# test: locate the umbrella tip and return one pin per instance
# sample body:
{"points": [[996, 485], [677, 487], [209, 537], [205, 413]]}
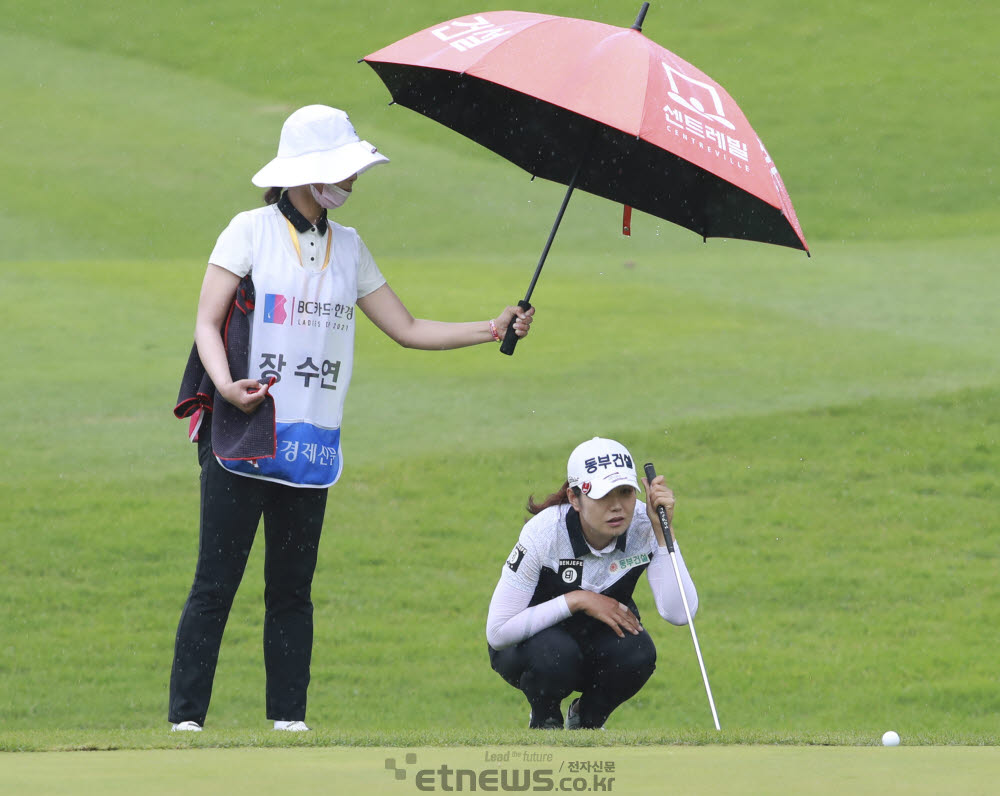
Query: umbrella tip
{"points": [[637, 25]]}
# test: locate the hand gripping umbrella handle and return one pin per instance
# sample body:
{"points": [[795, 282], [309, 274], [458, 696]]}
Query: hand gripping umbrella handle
{"points": [[665, 524], [510, 337]]}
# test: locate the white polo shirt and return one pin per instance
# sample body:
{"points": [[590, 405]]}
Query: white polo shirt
{"points": [[552, 558], [234, 250]]}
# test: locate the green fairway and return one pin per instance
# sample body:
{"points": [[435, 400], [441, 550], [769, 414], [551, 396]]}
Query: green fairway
{"points": [[830, 425]]}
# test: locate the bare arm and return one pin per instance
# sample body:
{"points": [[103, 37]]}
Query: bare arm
{"points": [[217, 292], [384, 308]]}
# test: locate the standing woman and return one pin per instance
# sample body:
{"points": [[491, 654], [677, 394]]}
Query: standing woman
{"points": [[274, 349], [562, 617]]}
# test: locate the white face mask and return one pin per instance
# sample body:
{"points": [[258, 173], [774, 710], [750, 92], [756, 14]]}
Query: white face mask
{"points": [[330, 197]]}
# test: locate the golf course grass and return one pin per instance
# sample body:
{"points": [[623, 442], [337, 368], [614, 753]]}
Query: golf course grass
{"points": [[698, 771], [830, 425]]}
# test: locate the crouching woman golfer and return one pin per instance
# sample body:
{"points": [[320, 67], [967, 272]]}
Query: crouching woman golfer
{"points": [[562, 618], [274, 351]]}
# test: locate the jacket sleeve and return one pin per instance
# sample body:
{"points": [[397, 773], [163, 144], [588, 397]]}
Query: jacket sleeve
{"points": [[511, 620], [663, 584]]}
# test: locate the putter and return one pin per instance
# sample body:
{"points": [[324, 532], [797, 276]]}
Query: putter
{"points": [[665, 524]]}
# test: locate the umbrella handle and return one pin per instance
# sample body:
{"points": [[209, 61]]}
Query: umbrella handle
{"points": [[510, 338]]}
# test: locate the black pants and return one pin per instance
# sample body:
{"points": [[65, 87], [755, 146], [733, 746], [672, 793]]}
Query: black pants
{"points": [[231, 508], [581, 654]]}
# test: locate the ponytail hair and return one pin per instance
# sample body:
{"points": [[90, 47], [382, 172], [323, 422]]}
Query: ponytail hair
{"points": [[557, 498], [272, 195]]}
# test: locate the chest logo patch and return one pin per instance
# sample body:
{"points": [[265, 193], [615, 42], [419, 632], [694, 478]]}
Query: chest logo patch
{"points": [[571, 571], [622, 564]]}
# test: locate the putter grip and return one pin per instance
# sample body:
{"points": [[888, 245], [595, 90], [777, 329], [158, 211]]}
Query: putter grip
{"points": [[662, 512], [510, 338]]}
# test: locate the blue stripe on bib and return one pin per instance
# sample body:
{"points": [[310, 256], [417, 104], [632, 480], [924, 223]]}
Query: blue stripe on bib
{"points": [[306, 456]]}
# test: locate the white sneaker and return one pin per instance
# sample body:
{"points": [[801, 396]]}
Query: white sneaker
{"points": [[291, 726], [186, 726]]}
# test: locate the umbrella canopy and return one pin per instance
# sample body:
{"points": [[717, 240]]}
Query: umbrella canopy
{"points": [[600, 108], [554, 94]]}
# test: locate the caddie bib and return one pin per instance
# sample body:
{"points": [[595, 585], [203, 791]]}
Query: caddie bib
{"points": [[302, 336]]}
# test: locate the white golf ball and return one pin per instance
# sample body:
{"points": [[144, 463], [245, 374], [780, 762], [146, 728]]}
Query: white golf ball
{"points": [[890, 738]]}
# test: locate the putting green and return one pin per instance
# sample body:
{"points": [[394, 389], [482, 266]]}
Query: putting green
{"points": [[716, 770]]}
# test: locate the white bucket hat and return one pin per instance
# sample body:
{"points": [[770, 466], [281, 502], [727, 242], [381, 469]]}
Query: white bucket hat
{"points": [[599, 465], [317, 145]]}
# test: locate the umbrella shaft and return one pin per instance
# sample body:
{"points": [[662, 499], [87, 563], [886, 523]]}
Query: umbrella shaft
{"points": [[552, 234]]}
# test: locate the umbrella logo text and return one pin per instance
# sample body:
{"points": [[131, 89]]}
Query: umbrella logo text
{"points": [[464, 35], [693, 102]]}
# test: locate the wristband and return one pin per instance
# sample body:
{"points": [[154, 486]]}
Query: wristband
{"points": [[493, 330]]}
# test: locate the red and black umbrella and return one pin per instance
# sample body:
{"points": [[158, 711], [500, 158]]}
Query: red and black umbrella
{"points": [[600, 108]]}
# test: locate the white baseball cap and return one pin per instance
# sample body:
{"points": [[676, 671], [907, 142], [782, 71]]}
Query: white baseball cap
{"points": [[599, 465], [317, 145]]}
